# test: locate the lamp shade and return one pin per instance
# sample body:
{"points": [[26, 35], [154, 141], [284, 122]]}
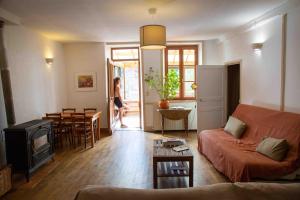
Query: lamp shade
{"points": [[153, 37]]}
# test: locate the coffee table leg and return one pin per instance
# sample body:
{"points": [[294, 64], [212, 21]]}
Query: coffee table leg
{"points": [[154, 174], [191, 173]]}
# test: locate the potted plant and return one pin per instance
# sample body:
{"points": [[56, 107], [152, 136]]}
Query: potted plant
{"points": [[165, 86]]}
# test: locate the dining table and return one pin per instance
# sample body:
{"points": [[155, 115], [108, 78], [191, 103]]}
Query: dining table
{"points": [[94, 118]]}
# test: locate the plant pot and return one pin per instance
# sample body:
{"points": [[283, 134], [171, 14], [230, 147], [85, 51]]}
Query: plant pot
{"points": [[163, 104]]}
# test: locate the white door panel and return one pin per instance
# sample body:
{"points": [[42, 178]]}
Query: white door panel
{"points": [[210, 97], [212, 117]]}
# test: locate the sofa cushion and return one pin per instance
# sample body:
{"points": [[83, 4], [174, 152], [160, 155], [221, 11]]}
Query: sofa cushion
{"points": [[235, 127], [274, 148]]}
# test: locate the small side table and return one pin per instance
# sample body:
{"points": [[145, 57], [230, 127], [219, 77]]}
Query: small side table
{"points": [[175, 114]]}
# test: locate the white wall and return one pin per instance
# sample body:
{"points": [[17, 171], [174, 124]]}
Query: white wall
{"points": [[36, 87], [260, 74], [87, 57], [151, 59], [292, 94], [212, 52]]}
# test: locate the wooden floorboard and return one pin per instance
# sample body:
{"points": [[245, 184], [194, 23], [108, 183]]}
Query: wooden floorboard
{"points": [[122, 160]]}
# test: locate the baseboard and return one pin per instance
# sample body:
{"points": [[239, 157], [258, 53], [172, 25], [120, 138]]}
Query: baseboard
{"points": [[168, 131], [104, 130]]}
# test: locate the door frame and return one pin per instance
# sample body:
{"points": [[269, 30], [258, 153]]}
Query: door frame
{"points": [[233, 62], [139, 73], [110, 126]]}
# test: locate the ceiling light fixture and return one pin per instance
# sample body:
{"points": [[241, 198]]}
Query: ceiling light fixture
{"points": [[153, 36]]}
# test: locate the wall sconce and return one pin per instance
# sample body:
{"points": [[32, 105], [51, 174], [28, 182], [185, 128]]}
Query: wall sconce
{"points": [[257, 47], [49, 61]]}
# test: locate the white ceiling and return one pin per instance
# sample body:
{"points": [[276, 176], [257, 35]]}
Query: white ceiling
{"points": [[119, 20]]}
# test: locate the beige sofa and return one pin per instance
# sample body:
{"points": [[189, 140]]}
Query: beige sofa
{"points": [[222, 191]]}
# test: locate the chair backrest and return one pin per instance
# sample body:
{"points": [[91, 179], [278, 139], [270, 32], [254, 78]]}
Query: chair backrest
{"points": [[78, 117], [69, 110], [89, 110], [55, 117]]}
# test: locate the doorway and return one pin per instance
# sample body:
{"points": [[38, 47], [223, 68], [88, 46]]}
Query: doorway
{"points": [[233, 87], [126, 63]]}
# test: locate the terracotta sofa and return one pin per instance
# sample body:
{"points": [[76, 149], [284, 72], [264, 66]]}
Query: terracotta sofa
{"points": [[223, 191], [237, 158]]}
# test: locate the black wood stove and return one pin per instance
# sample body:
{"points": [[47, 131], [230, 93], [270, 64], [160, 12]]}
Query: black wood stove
{"points": [[29, 145]]}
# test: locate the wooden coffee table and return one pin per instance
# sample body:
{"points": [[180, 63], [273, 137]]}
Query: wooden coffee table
{"points": [[169, 163]]}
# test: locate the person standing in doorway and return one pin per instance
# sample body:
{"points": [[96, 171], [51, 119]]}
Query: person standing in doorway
{"points": [[118, 100]]}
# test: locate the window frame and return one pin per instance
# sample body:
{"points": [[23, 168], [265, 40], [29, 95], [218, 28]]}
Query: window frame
{"points": [[122, 48], [181, 48]]}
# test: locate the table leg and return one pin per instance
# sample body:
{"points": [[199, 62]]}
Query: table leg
{"points": [[93, 134], [191, 172], [162, 124], [98, 128], [154, 174], [186, 125], [27, 176]]}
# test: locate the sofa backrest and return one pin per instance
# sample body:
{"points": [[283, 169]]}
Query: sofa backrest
{"points": [[262, 122], [232, 191]]}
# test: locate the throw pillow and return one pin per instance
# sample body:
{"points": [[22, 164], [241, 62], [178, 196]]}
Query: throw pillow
{"points": [[273, 148], [235, 127]]}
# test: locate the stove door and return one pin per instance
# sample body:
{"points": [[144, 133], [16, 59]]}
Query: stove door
{"points": [[40, 142]]}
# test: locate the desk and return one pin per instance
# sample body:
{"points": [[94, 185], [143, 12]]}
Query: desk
{"points": [[175, 114]]}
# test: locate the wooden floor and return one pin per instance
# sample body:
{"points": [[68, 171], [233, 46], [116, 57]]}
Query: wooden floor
{"points": [[123, 160]]}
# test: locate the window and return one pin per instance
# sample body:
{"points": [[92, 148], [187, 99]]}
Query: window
{"points": [[125, 54], [183, 59]]}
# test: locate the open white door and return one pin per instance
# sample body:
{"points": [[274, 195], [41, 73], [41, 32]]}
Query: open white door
{"points": [[110, 104], [210, 96]]}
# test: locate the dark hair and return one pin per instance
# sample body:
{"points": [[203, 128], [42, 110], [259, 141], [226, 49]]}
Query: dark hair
{"points": [[115, 82]]}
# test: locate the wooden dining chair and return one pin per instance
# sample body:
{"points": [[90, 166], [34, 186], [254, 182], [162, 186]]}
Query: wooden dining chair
{"points": [[56, 127], [81, 128], [85, 110], [69, 110], [93, 122], [67, 125]]}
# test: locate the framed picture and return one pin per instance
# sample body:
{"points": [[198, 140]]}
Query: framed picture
{"points": [[85, 81]]}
